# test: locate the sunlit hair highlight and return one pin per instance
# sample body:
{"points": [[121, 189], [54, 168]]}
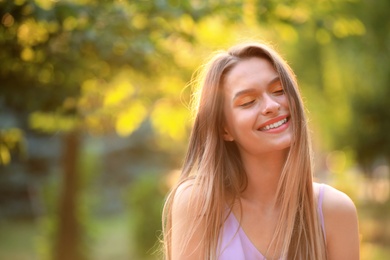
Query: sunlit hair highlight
{"points": [[213, 167]]}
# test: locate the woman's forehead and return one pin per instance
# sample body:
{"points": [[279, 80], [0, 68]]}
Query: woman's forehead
{"points": [[249, 72]]}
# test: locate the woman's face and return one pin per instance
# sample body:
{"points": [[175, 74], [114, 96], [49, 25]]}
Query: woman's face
{"points": [[256, 108]]}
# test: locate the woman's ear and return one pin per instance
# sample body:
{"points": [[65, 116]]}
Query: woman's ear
{"points": [[227, 136]]}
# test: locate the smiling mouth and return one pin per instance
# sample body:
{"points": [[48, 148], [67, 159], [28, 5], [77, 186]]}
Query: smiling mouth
{"points": [[274, 125]]}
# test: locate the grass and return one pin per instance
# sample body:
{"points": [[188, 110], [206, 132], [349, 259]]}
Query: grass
{"points": [[110, 240], [18, 240]]}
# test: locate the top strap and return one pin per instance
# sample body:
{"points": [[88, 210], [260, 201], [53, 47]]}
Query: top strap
{"points": [[321, 215]]}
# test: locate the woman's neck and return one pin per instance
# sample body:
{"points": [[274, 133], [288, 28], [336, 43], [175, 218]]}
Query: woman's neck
{"points": [[263, 173]]}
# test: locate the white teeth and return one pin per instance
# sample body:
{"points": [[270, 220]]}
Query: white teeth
{"points": [[274, 125]]}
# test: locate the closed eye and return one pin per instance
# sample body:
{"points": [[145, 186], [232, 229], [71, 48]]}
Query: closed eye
{"points": [[279, 92], [248, 103]]}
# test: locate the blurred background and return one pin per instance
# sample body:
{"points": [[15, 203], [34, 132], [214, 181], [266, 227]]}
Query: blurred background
{"points": [[94, 117]]}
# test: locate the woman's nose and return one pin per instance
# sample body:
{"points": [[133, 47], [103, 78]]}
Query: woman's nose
{"points": [[269, 105]]}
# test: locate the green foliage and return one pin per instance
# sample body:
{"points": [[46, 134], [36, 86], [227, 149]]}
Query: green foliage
{"points": [[48, 223], [50, 49], [12, 144], [146, 197], [374, 227], [366, 82]]}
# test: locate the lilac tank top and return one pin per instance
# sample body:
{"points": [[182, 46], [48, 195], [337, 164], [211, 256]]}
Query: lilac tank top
{"points": [[235, 245]]}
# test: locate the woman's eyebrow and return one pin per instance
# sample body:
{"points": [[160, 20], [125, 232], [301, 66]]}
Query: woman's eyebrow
{"points": [[274, 80], [252, 90], [243, 92]]}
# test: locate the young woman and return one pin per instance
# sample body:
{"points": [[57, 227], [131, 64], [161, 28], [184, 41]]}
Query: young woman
{"points": [[246, 190]]}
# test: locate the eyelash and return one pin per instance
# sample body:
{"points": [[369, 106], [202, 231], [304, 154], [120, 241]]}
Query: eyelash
{"points": [[280, 92], [247, 104]]}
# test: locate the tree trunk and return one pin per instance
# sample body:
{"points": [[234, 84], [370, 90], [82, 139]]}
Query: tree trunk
{"points": [[69, 243]]}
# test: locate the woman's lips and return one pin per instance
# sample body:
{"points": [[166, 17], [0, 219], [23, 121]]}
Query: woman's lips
{"points": [[274, 125]]}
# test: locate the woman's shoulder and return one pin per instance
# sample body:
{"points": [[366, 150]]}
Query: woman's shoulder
{"points": [[335, 201], [187, 225], [341, 223], [184, 189], [185, 196]]}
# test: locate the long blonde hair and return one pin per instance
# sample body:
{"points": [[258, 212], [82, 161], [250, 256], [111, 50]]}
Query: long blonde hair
{"points": [[216, 169]]}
